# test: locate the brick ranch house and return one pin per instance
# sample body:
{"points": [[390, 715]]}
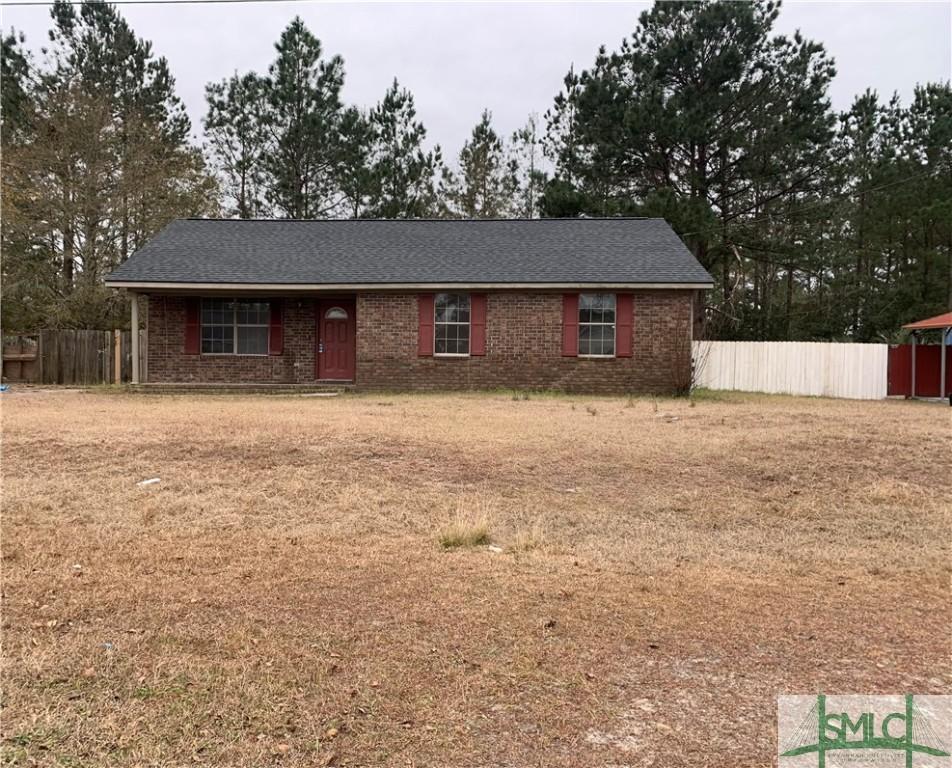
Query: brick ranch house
{"points": [[590, 305]]}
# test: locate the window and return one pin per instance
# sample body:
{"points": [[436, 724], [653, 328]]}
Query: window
{"points": [[336, 313], [596, 325], [451, 324], [232, 327]]}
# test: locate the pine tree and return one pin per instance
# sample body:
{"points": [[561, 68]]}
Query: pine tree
{"points": [[93, 43], [104, 165], [705, 102], [237, 140], [355, 175], [303, 116], [526, 159], [14, 82], [484, 185], [403, 171]]}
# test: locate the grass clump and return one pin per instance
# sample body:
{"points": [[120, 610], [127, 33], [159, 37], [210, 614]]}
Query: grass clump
{"points": [[468, 529], [530, 538], [462, 533]]}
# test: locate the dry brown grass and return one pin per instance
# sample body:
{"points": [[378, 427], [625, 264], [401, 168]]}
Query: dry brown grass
{"points": [[470, 528], [281, 596]]}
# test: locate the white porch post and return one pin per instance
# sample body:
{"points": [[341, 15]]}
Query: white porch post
{"points": [[135, 338]]}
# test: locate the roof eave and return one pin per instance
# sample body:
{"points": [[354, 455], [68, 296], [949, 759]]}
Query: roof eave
{"points": [[146, 285]]}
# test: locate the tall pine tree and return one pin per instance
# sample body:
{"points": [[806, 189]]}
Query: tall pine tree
{"points": [[303, 118], [484, 184], [104, 165], [525, 149], [237, 141], [706, 112], [403, 171]]}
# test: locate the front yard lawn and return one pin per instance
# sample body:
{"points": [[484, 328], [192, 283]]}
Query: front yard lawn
{"points": [[460, 580]]}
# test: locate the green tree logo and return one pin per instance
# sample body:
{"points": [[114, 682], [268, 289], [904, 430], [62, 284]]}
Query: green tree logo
{"points": [[822, 731]]}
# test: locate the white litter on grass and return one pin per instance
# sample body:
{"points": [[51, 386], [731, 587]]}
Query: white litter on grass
{"points": [[150, 481], [494, 549]]}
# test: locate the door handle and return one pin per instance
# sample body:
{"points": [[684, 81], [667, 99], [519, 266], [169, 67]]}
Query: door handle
{"points": [[320, 348]]}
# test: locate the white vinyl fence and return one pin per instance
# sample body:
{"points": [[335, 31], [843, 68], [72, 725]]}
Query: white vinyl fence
{"points": [[793, 367]]}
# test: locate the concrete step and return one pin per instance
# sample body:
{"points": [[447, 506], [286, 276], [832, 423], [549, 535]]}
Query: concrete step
{"points": [[212, 388]]}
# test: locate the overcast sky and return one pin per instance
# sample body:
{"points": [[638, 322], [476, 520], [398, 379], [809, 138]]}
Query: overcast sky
{"points": [[459, 58]]}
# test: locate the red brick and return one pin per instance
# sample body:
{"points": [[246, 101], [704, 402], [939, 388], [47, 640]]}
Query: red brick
{"points": [[523, 347]]}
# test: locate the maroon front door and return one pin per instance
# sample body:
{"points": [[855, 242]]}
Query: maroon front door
{"points": [[336, 339]]}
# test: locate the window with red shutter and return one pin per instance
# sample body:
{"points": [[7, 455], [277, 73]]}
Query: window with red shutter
{"points": [[596, 324], [451, 325]]}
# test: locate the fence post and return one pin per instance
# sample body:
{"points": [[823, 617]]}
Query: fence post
{"points": [[39, 357], [913, 364]]}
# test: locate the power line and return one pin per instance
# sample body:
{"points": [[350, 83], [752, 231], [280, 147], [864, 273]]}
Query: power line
{"points": [[45, 3], [48, 3]]}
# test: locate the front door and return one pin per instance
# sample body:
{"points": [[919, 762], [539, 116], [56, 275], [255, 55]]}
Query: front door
{"points": [[336, 339]]}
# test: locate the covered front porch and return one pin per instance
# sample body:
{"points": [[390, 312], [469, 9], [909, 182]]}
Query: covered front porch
{"points": [[254, 338]]}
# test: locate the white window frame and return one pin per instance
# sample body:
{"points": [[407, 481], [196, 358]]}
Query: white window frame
{"points": [[468, 324], [613, 326], [234, 326]]}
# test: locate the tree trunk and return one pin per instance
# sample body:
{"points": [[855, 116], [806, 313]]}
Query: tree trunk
{"points": [[69, 255], [788, 305]]}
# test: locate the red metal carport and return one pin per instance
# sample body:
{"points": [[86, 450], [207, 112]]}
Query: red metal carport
{"points": [[924, 380]]}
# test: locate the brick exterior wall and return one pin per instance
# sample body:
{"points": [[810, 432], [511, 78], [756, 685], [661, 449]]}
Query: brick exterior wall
{"points": [[167, 361], [523, 348]]}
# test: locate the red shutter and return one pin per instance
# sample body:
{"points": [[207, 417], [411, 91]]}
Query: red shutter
{"points": [[477, 324], [193, 326], [570, 325], [624, 317], [425, 339], [276, 329]]}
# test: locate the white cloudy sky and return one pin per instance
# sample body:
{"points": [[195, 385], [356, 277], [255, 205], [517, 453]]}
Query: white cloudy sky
{"points": [[510, 57]]}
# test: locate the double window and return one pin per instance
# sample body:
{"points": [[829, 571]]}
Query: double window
{"points": [[451, 324], [596, 325], [235, 327]]}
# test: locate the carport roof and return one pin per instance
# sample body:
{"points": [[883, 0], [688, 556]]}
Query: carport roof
{"points": [[939, 321]]}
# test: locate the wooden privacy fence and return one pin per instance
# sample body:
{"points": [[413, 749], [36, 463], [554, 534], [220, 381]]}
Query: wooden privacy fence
{"points": [[71, 357], [856, 371]]}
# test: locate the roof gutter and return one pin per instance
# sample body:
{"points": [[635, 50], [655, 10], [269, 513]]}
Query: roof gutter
{"points": [[136, 285]]}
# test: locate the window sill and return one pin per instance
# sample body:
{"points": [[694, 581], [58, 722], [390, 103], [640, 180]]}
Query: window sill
{"points": [[449, 354], [233, 354], [598, 357]]}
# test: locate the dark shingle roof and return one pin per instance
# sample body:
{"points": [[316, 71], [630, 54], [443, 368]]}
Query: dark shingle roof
{"points": [[561, 251]]}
